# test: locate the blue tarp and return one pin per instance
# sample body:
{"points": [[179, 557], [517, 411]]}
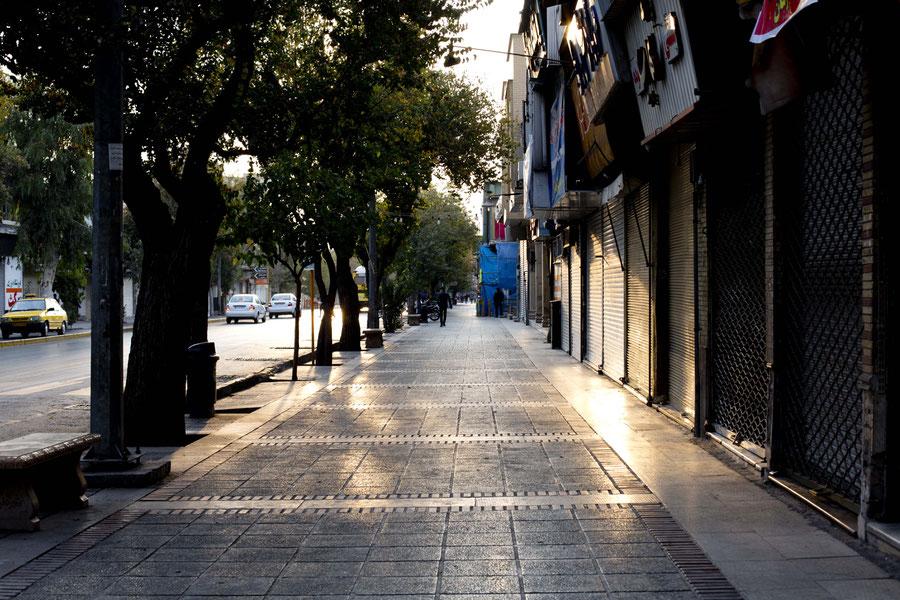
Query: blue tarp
{"points": [[498, 269]]}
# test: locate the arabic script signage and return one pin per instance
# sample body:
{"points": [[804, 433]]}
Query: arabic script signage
{"points": [[774, 15]]}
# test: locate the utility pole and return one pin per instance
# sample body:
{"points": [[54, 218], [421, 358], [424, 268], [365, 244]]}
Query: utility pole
{"points": [[372, 321], [107, 408]]}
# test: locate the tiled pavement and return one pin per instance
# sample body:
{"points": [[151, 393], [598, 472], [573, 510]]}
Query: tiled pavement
{"points": [[453, 464]]}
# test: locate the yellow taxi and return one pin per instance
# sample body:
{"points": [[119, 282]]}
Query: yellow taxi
{"points": [[34, 315]]}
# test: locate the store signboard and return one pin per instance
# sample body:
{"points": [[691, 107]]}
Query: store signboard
{"points": [[774, 15]]}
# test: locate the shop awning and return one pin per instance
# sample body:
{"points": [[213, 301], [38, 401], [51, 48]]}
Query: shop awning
{"points": [[774, 15]]}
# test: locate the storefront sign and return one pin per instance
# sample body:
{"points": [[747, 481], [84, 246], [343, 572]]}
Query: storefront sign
{"points": [[774, 15], [672, 42], [13, 283], [557, 280], [558, 146]]}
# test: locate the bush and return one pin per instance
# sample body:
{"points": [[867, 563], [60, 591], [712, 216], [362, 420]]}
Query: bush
{"points": [[393, 301]]}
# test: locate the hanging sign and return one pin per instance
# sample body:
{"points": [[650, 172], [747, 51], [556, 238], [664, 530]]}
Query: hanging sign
{"points": [[672, 41], [774, 15]]}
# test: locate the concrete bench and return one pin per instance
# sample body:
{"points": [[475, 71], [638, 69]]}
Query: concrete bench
{"points": [[41, 471]]}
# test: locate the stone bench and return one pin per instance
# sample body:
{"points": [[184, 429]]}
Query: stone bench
{"points": [[40, 472]]}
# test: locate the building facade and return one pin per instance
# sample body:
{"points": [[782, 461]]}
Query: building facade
{"points": [[706, 196]]}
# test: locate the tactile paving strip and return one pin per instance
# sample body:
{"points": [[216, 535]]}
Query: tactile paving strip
{"points": [[425, 439]]}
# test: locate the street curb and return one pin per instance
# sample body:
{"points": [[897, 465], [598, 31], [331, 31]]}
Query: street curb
{"points": [[68, 336], [248, 381]]}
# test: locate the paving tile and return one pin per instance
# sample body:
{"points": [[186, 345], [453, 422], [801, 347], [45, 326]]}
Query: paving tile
{"points": [[812, 545], [71, 584], [479, 553], [266, 555], [554, 551], [160, 568], [322, 569], [395, 585], [863, 589], [271, 541], [403, 553], [479, 585], [244, 569], [407, 568], [486, 567], [124, 586], [636, 565], [576, 566], [312, 586], [646, 582], [551, 584], [832, 569]]}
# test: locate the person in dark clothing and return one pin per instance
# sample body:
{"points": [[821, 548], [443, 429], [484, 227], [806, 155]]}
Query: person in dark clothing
{"points": [[443, 300], [498, 302]]}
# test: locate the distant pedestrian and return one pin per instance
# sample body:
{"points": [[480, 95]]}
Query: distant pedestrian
{"points": [[498, 302], [443, 300]]}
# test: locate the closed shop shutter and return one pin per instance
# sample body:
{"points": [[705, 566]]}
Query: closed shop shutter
{"points": [[820, 327], [637, 282], [523, 280], [575, 283], [681, 286], [594, 321], [564, 304], [614, 290]]}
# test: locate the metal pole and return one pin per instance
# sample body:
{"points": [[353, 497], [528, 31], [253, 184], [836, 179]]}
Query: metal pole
{"points": [[312, 314], [107, 409], [372, 321], [219, 283]]}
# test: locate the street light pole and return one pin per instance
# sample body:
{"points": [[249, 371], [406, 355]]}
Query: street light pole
{"points": [[107, 407], [372, 321]]}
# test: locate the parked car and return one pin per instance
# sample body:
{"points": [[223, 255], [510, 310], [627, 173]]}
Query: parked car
{"points": [[34, 315], [245, 306], [283, 304]]}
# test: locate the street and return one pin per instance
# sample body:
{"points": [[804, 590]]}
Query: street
{"points": [[46, 386]]}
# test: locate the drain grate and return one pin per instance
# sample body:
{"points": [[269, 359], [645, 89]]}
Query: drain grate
{"points": [[19, 580], [702, 575]]}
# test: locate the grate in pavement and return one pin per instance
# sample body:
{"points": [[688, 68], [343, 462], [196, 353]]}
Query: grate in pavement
{"points": [[17, 581], [704, 577]]}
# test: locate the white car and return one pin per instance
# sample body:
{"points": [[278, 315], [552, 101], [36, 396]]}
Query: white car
{"points": [[283, 304], [245, 306]]}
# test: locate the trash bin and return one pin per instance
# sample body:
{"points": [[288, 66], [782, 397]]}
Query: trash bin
{"points": [[423, 313], [201, 379]]}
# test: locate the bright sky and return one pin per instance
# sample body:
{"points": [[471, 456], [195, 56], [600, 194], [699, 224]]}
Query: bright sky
{"points": [[489, 28]]}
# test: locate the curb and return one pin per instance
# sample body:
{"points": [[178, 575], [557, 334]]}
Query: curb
{"points": [[68, 336]]}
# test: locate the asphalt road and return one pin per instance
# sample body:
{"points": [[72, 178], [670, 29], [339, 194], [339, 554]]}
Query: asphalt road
{"points": [[45, 387]]}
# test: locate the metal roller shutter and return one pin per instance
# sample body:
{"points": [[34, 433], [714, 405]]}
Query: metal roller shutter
{"points": [[523, 280], [614, 290], [637, 283], [564, 304], [594, 351], [575, 286], [681, 286]]}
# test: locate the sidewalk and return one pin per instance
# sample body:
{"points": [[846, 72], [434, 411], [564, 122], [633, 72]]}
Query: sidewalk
{"points": [[470, 461]]}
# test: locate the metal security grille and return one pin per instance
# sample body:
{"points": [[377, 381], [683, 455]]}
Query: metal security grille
{"points": [[739, 390], [819, 422]]}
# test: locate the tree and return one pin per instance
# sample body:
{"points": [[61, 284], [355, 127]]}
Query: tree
{"points": [[439, 251], [52, 191], [206, 81]]}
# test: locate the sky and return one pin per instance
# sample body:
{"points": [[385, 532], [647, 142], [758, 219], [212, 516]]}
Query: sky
{"points": [[489, 28]]}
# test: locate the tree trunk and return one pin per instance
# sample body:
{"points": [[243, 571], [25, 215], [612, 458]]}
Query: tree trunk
{"points": [[171, 315], [350, 330], [298, 281], [48, 274], [323, 343]]}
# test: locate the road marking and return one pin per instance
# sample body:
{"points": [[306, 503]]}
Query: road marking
{"points": [[44, 387]]}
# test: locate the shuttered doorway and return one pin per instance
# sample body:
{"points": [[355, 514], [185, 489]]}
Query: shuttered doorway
{"points": [[575, 286], [565, 313], [594, 321], [614, 289], [637, 282], [680, 254]]}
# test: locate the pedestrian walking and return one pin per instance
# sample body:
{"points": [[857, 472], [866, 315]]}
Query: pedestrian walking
{"points": [[498, 302], [443, 300]]}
